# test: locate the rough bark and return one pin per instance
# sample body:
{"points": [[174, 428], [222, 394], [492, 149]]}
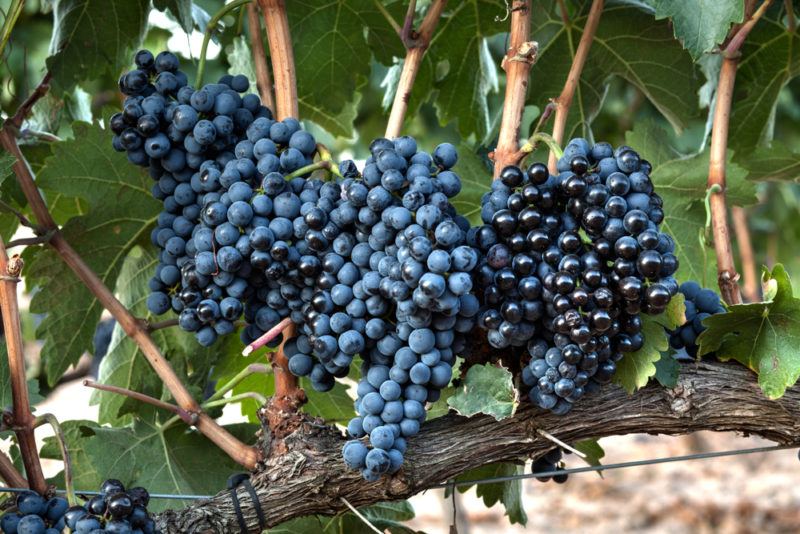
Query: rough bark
{"points": [[309, 477]]}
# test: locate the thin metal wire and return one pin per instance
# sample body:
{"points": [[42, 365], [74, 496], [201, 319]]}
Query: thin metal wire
{"points": [[620, 465], [93, 493], [495, 480]]}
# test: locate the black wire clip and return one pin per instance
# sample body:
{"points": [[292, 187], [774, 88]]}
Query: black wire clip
{"points": [[236, 480]]}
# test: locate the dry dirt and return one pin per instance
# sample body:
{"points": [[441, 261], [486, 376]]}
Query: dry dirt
{"points": [[757, 493]]}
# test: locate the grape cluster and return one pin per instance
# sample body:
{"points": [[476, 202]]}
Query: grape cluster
{"points": [[401, 296], [33, 514], [548, 463], [379, 264], [570, 262], [700, 303], [220, 165], [113, 511]]}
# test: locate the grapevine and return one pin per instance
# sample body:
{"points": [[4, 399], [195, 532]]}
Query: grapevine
{"points": [[377, 263], [458, 269]]}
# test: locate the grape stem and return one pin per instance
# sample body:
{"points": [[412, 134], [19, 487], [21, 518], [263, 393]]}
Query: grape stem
{"points": [[9, 473], [211, 27], [259, 398], [268, 336], [727, 277], [5, 206], [388, 16], [716, 188], [325, 155], [22, 418], [406, 32], [61, 439], [519, 58], [250, 370], [47, 137], [243, 454], [188, 418], [790, 19], [13, 13], [564, 100], [542, 137], [279, 39], [159, 325], [416, 43], [288, 397], [752, 285], [25, 108], [28, 241], [263, 77]]}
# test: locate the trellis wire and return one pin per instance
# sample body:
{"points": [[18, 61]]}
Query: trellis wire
{"points": [[620, 465], [495, 480]]}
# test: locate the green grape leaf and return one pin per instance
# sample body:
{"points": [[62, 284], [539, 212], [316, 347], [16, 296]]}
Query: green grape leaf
{"points": [[180, 9], [339, 124], [121, 214], [6, 399], [667, 370], [125, 366], [143, 454], [6, 165], [476, 178], [681, 182], [700, 24], [509, 493], [628, 43], [8, 221], [330, 65], [440, 407], [471, 73], [11, 192], [764, 336], [487, 389], [230, 364], [593, 451], [335, 405], [636, 368], [386, 516], [94, 37], [775, 163], [770, 60]]}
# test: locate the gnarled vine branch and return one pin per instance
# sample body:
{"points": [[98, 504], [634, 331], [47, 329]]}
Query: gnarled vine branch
{"points": [[309, 477]]}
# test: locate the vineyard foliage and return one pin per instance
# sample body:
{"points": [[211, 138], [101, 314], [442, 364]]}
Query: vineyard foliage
{"points": [[649, 82]]}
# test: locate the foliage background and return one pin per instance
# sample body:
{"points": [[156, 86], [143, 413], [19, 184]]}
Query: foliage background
{"points": [[649, 82]]}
